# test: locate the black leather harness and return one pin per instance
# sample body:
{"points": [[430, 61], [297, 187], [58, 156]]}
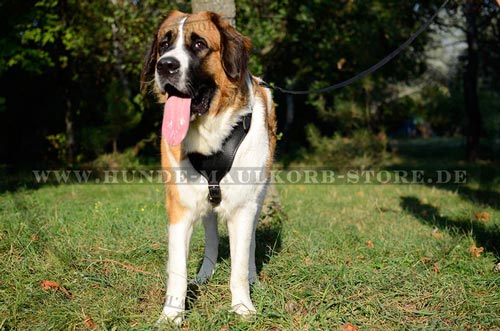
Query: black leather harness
{"points": [[215, 166]]}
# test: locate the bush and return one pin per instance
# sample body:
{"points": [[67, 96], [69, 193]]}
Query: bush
{"points": [[125, 160], [362, 150]]}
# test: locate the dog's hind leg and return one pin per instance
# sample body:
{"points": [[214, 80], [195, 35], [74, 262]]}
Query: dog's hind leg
{"points": [[211, 248], [252, 268]]}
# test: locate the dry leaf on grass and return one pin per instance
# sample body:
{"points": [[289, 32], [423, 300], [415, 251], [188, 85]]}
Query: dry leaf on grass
{"points": [[475, 251], [435, 269], [349, 327], [370, 244], [482, 217], [436, 234], [50, 284], [90, 323], [290, 307]]}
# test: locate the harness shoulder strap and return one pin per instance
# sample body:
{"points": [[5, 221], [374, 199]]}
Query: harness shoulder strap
{"points": [[215, 166]]}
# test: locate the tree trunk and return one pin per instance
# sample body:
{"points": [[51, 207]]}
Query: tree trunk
{"points": [[64, 75], [70, 132], [472, 112], [226, 8], [115, 145]]}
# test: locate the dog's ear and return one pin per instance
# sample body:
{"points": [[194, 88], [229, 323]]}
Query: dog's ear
{"points": [[149, 65], [235, 50]]}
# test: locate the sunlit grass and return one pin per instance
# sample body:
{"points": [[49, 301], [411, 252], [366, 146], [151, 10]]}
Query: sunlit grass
{"points": [[382, 257]]}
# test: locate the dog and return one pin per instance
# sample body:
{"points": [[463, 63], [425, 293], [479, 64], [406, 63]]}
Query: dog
{"points": [[214, 110]]}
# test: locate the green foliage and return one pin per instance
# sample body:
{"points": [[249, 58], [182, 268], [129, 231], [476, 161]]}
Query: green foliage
{"points": [[490, 109], [121, 115], [362, 150], [126, 160], [58, 145], [81, 60]]}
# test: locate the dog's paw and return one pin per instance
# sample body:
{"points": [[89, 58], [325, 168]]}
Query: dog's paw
{"points": [[246, 312], [206, 272], [253, 278], [204, 276], [170, 315]]}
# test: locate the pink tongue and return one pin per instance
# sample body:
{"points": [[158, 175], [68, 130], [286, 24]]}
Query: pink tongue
{"points": [[176, 120]]}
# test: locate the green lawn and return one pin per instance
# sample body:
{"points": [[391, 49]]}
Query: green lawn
{"points": [[382, 257]]}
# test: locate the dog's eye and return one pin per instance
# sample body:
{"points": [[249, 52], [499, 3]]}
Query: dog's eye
{"points": [[199, 45], [163, 45]]}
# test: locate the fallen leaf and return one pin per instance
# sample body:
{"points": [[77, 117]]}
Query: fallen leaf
{"points": [[307, 261], [49, 284], [290, 307], [370, 244], [436, 234], [35, 237], [348, 261], [156, 245], [90, 323], [349, 327], [482, 217], [475, 251], [435, 269], [224, 328]]}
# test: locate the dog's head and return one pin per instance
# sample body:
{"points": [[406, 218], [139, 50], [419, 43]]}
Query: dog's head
{"points": [[200, 57]]}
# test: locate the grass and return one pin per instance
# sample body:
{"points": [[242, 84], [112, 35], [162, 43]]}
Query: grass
{"points": [[381, 257]]}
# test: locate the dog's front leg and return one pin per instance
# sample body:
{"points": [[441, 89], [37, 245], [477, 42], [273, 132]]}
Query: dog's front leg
{"points": [[241, 227], [179, 236]]}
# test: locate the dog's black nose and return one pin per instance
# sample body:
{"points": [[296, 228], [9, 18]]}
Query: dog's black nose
{"points": [[168, 66]]}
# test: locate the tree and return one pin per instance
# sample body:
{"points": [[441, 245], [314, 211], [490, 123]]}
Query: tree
{"points": [[71, 71], [471, 10], [479, 23], [226, 8]]}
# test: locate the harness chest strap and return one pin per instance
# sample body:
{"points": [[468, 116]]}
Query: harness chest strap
{"points": [[215, 166]]}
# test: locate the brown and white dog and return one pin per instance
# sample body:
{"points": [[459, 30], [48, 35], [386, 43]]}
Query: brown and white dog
{"points": [[199, 64]]}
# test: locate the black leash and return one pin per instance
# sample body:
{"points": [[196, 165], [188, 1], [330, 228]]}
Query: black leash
{"points": [[368, 71]]}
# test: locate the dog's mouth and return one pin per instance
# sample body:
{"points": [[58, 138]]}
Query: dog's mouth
{"points": [[200, 99], [180, 109]]}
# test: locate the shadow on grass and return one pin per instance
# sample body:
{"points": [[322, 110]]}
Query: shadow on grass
{"points": [[482, 196], [488, 237], [267, 244], [482, 180]]}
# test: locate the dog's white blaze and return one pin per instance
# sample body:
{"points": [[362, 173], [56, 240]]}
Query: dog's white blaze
{"points": [[179, 53]]}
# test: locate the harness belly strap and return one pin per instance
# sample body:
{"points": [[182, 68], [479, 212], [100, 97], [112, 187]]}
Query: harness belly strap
{"points": [[215, 166]]}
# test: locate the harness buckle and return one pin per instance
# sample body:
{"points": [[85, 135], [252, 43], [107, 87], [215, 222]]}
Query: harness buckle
{"points": [[214, 194]]}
